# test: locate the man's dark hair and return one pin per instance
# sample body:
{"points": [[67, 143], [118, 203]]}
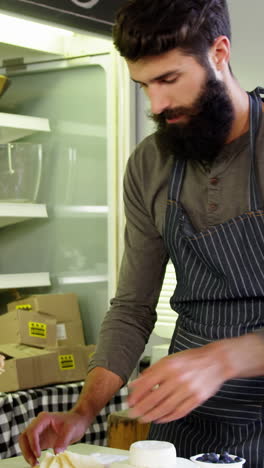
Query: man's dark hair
{"points": [[152, 27]]}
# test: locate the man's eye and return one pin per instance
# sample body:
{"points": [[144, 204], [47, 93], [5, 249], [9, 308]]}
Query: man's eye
{"points": [[170, 81]]}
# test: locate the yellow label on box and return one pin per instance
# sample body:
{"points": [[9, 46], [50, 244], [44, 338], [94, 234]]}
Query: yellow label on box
{"points": [[66, 361], [24, 307], [37, 329]]}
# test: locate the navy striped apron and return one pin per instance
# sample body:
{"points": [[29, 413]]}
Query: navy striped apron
{"points": [[219, 294]]}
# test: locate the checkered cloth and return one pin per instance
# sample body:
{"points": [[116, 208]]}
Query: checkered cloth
{"points": [[17, 409]]}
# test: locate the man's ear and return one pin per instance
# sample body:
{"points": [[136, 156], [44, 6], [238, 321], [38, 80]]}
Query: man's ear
{"points": [[220, 53]]}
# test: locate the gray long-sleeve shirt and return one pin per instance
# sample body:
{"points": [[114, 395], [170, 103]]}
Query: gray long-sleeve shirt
{"points": [[210, 196]]}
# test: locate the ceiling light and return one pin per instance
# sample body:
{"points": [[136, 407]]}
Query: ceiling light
{"points": [[30, 34]]}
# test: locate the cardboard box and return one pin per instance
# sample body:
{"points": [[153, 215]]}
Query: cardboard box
{"points": [[70, 333], [28, 328], [64, 307], [21, 367], [27, 367]]}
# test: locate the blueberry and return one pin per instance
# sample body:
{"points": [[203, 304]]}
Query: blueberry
{"points": [[225, 457], [221, 459], [213, 457]]}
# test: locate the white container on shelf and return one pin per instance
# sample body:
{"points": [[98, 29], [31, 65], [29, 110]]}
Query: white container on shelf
{"points": [[20, 172]]}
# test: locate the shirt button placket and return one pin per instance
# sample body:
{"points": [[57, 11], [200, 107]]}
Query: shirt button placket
{"points": [[213, 200]]}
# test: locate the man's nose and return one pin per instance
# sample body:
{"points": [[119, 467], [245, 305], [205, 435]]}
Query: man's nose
{"points": [[158, 99]]}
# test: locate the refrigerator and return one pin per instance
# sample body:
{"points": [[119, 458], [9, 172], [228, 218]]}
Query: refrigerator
{"points": [[67, 128]]}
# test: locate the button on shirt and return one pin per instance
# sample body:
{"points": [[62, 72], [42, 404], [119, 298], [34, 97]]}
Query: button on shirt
{"points": [[210, 195]]}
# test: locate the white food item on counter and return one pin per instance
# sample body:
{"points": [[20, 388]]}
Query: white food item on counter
{"points": [[120, 465], [69, 459], [180, 463], [49, 461], [152, 454]]}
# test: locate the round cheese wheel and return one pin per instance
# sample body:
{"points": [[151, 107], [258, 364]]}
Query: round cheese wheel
{"points": [[152, 454]]}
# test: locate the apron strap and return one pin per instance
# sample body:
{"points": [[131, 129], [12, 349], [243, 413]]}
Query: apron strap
{"points": [[178, 175], [255, 104]]}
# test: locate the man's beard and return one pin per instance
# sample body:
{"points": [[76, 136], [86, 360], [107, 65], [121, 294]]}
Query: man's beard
{"points": [[204, 135]]}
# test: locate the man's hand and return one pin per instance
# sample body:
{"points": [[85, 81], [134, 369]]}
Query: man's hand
{"points": [[178, 383], [51, 430], [58, 430]]}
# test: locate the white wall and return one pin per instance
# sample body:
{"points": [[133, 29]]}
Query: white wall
{"points": [[248, 41]]}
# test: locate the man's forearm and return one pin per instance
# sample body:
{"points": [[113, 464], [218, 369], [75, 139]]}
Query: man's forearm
{"points": [[244, 354], [100, 386]]}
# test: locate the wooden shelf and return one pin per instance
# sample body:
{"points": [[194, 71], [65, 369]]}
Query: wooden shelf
{"points": [[11, 213], [14, 127], [24, 280]]}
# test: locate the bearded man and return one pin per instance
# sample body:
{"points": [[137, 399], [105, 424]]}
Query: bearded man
{"points": [[194, 194]]}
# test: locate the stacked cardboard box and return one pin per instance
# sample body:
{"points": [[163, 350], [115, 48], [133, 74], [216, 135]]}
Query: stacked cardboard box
{"points": [[28, 328], [28, 367], [64, 308], [42, 339]]}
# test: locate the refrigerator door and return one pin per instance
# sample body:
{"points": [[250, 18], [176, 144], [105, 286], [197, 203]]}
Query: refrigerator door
{"points": [[77, 245]]}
